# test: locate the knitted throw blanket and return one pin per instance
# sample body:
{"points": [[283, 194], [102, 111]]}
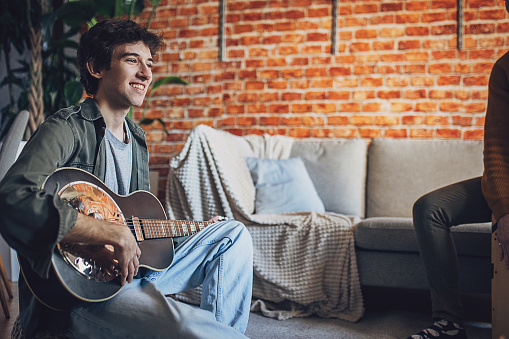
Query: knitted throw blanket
{"points": [[304, 263]]}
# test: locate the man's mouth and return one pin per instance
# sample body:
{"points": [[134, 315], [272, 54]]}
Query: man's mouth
{"points": [[138, 86]]}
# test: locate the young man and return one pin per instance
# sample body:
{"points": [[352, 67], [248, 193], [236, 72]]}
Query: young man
{"points": [[115, 59]]}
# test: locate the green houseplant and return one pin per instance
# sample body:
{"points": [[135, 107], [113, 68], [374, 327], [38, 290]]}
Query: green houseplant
{"points": [[60, 84]]}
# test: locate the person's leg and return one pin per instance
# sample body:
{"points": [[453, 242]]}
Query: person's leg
{"points": [[221, 258], [433, 216], [140, 310]]}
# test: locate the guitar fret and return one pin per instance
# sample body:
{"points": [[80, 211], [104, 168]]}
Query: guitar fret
{"points": [[155, 228]]}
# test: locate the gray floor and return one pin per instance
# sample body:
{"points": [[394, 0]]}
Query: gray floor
{"points": [[390, 313], [379, 325]]}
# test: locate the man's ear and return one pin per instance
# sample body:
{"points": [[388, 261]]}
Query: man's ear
{"points": [[98, 74]]}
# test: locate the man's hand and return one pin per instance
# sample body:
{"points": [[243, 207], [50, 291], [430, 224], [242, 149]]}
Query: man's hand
{"points": [[99, 232], [503, 239]]}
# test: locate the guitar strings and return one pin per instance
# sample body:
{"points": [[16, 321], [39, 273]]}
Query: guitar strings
{"points": [[155, 227]]}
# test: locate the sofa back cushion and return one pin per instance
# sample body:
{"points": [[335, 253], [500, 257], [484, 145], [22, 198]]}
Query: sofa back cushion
{"points": [[401, 170], [338, 171]]}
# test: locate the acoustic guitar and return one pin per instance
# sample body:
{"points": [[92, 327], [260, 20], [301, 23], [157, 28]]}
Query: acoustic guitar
{"points": [[82, 272]]}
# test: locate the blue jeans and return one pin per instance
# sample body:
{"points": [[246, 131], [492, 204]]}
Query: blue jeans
{"points": [[433, 216], [220, 257]]}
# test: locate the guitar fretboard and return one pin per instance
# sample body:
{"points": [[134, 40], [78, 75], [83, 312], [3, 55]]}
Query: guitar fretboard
{"points": [[155, 229]]}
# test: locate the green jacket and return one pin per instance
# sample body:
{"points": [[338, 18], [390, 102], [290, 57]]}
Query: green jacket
{"points": [[33, 221]]}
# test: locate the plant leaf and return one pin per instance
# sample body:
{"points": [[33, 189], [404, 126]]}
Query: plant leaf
{"points": [[73, 91], [168, 80], [75, 12], [147, 121]]}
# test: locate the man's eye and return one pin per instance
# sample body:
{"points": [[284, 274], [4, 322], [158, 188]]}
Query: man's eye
{"points": [[150, 65], [132, 60]]}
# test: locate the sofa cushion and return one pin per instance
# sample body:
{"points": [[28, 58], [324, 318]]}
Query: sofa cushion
{"points": [[283, 185], [401, 171], [397, 235], [338, 170]]}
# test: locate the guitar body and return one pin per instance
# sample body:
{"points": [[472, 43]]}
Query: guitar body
{"points": [[71, 280]]}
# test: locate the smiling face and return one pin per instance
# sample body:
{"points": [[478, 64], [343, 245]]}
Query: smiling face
{"points": [[126, 83]]}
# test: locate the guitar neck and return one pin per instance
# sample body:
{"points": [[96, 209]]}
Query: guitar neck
{"points": [[145, 229]]}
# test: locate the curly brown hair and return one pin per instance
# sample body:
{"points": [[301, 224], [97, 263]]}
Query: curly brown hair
{"points": [[99, 42]]}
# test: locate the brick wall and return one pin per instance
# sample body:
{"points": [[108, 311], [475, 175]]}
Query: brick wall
{"points": [[397, 72]]}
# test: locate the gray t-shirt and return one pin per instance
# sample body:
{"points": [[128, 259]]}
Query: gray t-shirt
{"points": [[119, 162]]}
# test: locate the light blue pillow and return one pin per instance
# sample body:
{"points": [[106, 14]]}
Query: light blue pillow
{"points": [[283, 185]]}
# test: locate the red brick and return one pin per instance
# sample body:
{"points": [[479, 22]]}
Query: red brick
{"points": [[480, 29], [391, 32], [318, 12], [443, 29], [407, 18], [365, 8], [291, 96], [370, 133], [423, 30], [409, 44], [269, 121], [400, 106], [276, 62], [440, 68], [296, 121], [386, 120], [254, 85], [277, 84], [448, 133], [438, 94], [412, 120], [339, 95], [366, 34], [475, 107], [361, 120], [335, 71], [368, 82], [348, 107], [448, 80], [299, 132], [393, 94], [302, 108], [363, 95], [381, 19], [312, 121], [346, 132], [477, 134], [421, 133], [383, 45], [337, 120], [279, 108], [372, 107], [396, 133], [391, 7], [391, 57], [322, 83], [450, 106], [415, 94], [416, 5], [443, 4], [315, 71], [256, 108], [476, 80], [315, 96], [322, 132]]}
